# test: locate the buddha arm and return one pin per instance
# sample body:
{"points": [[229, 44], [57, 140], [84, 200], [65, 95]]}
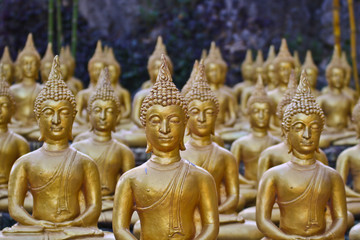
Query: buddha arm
{"points": [[231, 186], [232, 107], [123, 209], [321, 156], [264, 164], [128, 161], [208, 207], [244, 99], [18, 187], [236, 151], [79, 108], [127, 104], [136, 110], [23, 148], [264, 205], [342, 166]]}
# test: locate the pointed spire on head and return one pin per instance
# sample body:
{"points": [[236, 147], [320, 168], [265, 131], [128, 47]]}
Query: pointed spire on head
{"points": [[191, 79], [259, 94], [111, 60], [29, 49], [309, 62], [214, 56], [302, 102], [6, 58], [160, 49], [200, 89], [335, 62], [259, 62], [98, 55], [104, 91], [62, 56], [288, 95], [270, 57], [49, 55], [54, 89], [163, 93], [284, 54], [248, 61], [203, 54], [297, 59], [345, 61], [4, 86]]}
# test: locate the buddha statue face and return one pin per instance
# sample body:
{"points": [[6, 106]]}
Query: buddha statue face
{"points": [[271, 73], [304, 133], [5, 110], [259, 113], [336, 78], [56, 119], [114, 74], [64, 71], [103, 115], [154, 70], [284, 72], [214, 73], [7, 70], [247, 71], [165, 127], [202, 117], [30, 66], [95, 71], [312, 75]]}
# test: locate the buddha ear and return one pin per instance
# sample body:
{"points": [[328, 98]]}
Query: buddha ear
{"points": [[182, 144], [70, 136], [148, 147]]}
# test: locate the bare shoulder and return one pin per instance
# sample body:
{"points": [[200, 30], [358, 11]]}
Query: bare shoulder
{"points": [[241, 141], [226, 154], [199, 173], [20, 139], [27, 158], [125, 150]]}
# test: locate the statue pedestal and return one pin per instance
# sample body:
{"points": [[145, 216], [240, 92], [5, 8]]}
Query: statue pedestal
{"points": [[51, 236]]}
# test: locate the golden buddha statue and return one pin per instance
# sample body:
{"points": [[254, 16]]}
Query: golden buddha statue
{"points": [[12, 145], [46, 63], [95, 65], [303, 187], [55, 174], [219, 162], [112, 158], [123, 94], [259, 69], [247, 72], [216, 69], [189, 83], [336, 104], [247, 149], [166, 190], [284, 62], [7, 65], [270, 69], [348, 72], [74, 82], [298, 64], [154, 63], [64, 68], [25, 92], [312, 72]]}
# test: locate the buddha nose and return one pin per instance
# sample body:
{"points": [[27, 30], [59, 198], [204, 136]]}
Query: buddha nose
{"points": [[307, 133], [201, 117], [103, 115], [261, 114], [56, 118], [164, 127]]}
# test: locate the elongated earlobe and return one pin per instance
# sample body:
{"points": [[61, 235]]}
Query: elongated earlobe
{"points": [[148, 147]]}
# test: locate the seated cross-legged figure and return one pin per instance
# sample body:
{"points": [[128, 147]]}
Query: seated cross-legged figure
{"points": [[302, 187], [12, 145], [112, 157], [56, 175], [219, 162], [247, 149], [166, 190]]}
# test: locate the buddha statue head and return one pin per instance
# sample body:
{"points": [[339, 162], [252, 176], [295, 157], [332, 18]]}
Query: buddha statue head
{"points": [[269, 66], [154, 61], [203, 105], [203, 54], [64, 65], [113, 66], [259, 106], [70, 60], [55, 107], [311, 69], [247, 67], [335, 71], [190, 81], [29, 59], [215, 66], [7, 65], [303, 121], [284, 62], [104, 105], [259, 67], [297, 64], [348, 68], [46, 63], [164, 114], [7, 101], [96, 63]]}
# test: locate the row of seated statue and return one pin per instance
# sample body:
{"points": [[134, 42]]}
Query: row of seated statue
{"points": [[336, 100], [190, 188]]}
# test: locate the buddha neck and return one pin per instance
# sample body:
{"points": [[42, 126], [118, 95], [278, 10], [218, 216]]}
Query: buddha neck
{"points": [[165, 158], [200, 141], [54, 146], [336, 91], [28, 81], [282, 86], [215, 86], [303, 159], [259, 132], [3, 128], [101, 136]]}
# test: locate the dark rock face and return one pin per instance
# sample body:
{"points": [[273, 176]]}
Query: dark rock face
{"points": [[187, 26]]}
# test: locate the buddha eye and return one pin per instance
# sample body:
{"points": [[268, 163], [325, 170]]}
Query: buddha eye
{"points": [[65, 112], [110, 110], [298, 127], [210, 111], [315, 126], [174, 119], [48, 112], [154, 120], [194, 111], [97, 109]]}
